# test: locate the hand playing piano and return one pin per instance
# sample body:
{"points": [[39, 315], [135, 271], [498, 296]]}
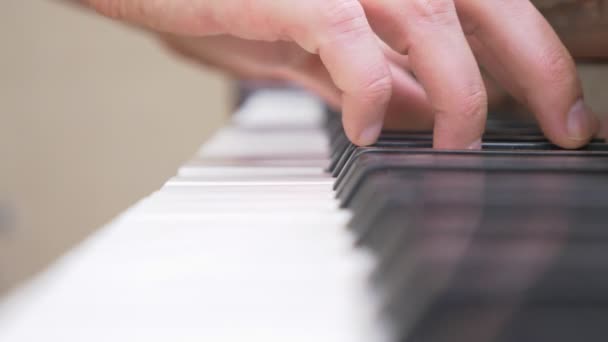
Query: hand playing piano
{"points": [[361, 56]]}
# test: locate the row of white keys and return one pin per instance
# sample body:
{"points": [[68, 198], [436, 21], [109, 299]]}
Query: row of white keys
{"points": [[246, 243]]}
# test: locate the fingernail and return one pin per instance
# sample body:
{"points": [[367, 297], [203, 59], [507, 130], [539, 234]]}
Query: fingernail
{"points": [[476, 145], [370, 135], [581, 121]]}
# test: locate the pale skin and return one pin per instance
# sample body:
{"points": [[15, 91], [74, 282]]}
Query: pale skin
{"points": [[361, 55]]}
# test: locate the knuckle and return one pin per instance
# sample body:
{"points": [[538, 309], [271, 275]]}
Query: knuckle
{"points": [[385, 16], [439, 12], [293, 57], [472, 103], [557, 66], [378, 86], [342, 18]]}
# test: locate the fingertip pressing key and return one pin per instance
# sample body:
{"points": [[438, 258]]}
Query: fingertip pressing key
{"points": [[477, 145], [582, 123], [370, 135]]}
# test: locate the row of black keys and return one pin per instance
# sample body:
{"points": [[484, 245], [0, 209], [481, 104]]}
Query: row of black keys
{"points": [[505, 244]]}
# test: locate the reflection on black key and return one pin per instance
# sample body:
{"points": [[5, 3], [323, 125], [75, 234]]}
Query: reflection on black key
{"points": [[509, 243]]}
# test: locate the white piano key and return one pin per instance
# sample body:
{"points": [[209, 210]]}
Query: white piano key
{"points": [[238, 143], [280, 109], [223, 171], [242, 245], [319, 162]]}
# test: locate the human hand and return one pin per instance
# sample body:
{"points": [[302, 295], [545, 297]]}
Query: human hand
{"points": [[441, 38], [286, 61]]}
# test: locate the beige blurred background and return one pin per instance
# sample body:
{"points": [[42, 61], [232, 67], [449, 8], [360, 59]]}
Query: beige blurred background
{"points": [[93, 116]]}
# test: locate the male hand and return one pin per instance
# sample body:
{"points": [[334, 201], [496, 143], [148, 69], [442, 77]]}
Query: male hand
{"points": [[359, 55]]}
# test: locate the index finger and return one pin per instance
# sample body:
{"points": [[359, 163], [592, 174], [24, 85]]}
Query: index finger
{"points": [[337, 30], [357, 64]]}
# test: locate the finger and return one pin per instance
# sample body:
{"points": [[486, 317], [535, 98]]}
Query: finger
{"points": [[529, 60], [349, 49], [283, 60], [440, 57], [240, 58], [339, 33], [187, 17], [313, 75], [409, 108], [258, 60], [394, 56]]}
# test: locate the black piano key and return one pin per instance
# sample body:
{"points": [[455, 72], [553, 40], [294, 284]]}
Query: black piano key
{"points": [[359, 152], [488, 146], [436, 275], [337, 143], [465, 236], [337, 164], [376, 196], [387, 145], [537, 146], [341, 145], [508, 323], [393, 226], [489, 136], [418, 316], [504, 204], [343, 172], [396, 227], [558, 162], [366, 219], [335, 133]]}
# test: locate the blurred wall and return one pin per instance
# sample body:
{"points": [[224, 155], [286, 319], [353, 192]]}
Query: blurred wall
{"points": [[595, 84], [93, 116]]}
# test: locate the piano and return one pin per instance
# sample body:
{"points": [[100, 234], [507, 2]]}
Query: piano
{"points": [[279, 229]]}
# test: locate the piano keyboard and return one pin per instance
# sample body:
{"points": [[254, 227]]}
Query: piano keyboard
{"points": [[245, 243], [281, 230]]}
